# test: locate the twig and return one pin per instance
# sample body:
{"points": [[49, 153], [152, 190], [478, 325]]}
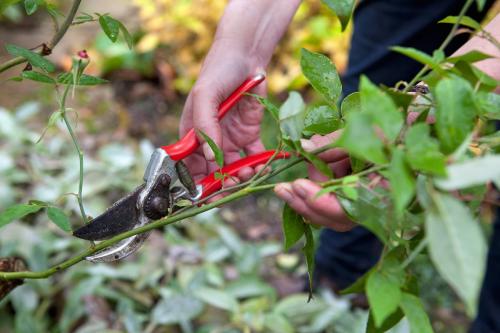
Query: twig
{"points": [[445, 43], [62, 108], [154, 225], [365, 172], [53, 42], [420, 247]]}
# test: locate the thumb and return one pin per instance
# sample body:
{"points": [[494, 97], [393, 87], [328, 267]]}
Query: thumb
{"points": [[205, 106]]}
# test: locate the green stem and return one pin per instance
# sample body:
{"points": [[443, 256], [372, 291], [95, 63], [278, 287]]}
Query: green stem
{"points": [[62, 108], [53, 42], [365, 172], [443, 45], [154, 225], [420, 247]]}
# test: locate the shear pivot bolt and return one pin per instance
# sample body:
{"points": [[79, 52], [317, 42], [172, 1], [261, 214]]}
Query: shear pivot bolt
{"points": [[160, 205]]}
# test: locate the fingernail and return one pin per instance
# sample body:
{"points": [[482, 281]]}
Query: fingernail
{"points": [[284, 191], [207, 151], [300, 190], [307, 145]]}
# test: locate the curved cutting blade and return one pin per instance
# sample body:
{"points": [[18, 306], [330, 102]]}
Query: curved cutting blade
{"points": [[120, 217]]}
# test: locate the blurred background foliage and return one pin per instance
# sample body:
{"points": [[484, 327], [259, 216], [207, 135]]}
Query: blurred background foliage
{"points": [[221, 272], [185, 28]]}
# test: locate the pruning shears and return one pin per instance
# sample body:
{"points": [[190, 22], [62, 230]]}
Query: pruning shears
{"points": [[166, 181]]}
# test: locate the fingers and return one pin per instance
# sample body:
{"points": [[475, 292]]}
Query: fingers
{"points": [[205, 102], [325, 210], [318, 141], [254, 147]]}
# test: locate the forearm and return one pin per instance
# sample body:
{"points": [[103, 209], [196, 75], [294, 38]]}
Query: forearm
{"points": [[489, 66], [254, 27]]}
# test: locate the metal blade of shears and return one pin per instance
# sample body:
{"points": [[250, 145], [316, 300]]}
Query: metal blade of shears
{"points": [[123, 215]]}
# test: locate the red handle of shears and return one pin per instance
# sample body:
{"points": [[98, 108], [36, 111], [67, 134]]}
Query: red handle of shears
{"points": [[189, 143], [210, 184]]}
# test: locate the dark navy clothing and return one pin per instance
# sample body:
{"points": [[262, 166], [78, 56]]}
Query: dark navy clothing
{"points": [[378, 25], [488, 316]]}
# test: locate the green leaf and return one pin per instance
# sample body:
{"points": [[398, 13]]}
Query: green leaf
{"points": [[53, 10], [4, 4], [402, 181], [126, 35], [480, 4], [470, 57], [277, 323], [352, 103], [371, 212], [59, 218], [219, 155], [342, 8], [15, 79], [455, 112], [400, 99], [465, 20], [317, 162], [110, 26], [477, 171], [383, 291], [85, 80], [422, 151], [176, 309], [393, 256], [82, 18], [217, 298], [37, 76], [270, 107], [322, 74], [457, 246], [17, 212], [484, 78], [33, 58], [419, 56], [381, 108], [322, 120], [392, 320], [415, 313], [488, 104], [350, 192], [248, 286], [308, 251], [293, 227], [359, 285], [291, 116], [359, 139], [31, 6]]}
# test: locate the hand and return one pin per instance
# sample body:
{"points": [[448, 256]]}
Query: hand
{"points": [[324, 210], [223, 71], [245, 40]]}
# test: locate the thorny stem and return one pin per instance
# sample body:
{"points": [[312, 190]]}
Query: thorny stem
{"points": [[445, 43], [62, 108], [53, 42]]}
